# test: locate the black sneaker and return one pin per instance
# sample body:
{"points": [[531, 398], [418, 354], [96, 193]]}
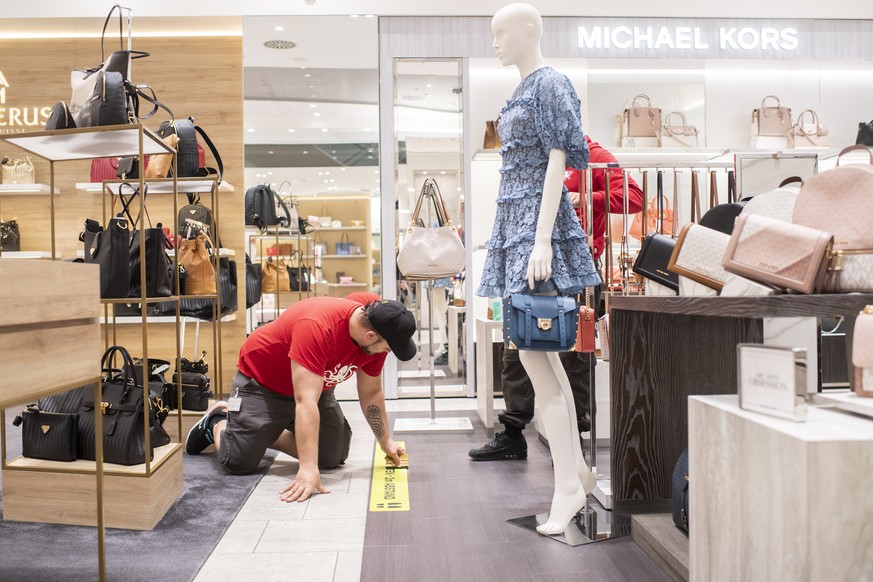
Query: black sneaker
{"points": [[200, 435], [501, 448]]}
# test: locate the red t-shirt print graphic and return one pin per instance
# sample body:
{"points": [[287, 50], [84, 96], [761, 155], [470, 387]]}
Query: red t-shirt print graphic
{"points": [[339, 375]]}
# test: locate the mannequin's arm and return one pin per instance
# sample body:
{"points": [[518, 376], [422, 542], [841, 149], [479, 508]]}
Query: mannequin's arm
{"points": [[539, 267]]}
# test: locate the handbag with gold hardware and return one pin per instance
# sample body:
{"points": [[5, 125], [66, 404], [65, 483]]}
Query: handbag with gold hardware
{"points": [[838, 201], [698, 254], [771, 121], [586, 341], [642, 121], [808, 133], [545, 323], [195, 256], [47, 435]]}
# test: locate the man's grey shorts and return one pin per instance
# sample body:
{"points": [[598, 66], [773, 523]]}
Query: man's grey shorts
{"points": [[262, 417]]}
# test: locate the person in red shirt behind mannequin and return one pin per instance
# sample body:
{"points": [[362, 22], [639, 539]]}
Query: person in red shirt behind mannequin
{"points": [[574, 180], [518, 391]]}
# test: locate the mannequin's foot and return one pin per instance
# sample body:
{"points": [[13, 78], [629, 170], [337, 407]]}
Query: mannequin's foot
{"points": [[564, 507]]}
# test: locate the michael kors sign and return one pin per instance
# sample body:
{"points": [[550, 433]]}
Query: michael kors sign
{"points": [[726, 38], [18, 119]]}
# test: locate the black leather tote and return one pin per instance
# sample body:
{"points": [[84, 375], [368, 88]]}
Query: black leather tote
{"points": [[680, 492], [47, 435], [109, 248], [653, 259]]}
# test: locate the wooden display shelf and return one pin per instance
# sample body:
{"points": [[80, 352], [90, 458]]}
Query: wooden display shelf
{"points": [[35, 490], [26, 189]]}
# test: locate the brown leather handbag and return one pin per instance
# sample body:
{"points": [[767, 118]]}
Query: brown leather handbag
{"points": [[492, 138], [275, 277], [195, 257], [642, 121]]}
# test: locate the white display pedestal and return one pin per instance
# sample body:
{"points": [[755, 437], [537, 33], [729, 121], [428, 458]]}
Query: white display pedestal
{"points": [[774, 499]]}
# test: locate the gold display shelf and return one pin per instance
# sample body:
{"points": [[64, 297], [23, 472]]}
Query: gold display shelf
{"points": [[87, 143], [160, 185]]}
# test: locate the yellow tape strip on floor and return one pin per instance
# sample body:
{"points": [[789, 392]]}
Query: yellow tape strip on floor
{"points": [[389, 490]]}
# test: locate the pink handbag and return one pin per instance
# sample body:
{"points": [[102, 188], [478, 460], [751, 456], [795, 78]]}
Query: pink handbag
{"points": [[862, 352], [771, 121], [838, 201], [778, 253]]}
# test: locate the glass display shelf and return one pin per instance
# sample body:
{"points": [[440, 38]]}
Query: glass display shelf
{"points": [[26, 189], [160, 185], [91, 142]]}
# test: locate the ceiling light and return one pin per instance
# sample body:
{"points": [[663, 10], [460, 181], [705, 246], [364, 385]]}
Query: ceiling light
{"points": [[307, 75], [326, 181], [279, 28], [368, 129], [327, 173], [375, 171], [313, 105], [443, 172], [355, 15], [323, 130], [342, 169], [291, 130], [369, 157], [280, 45], [305, 151], [424, 173], [269, 173], [332, 181], [321, 173], [310, 86], [270, 152], [370, 16], [251, 130], [410, 189], [429, 85], [333, 151], [316, 114]]}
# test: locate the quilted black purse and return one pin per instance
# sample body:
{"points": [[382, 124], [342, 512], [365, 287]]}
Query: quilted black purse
{"points": [[123, 409], [47, 435], [253, 282], [195, 391], [544, 323], [865, 134]]}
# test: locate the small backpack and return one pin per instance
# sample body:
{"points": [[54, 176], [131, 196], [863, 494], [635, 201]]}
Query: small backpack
{"points": [[190, 158], [260, 208], [198, 214]]}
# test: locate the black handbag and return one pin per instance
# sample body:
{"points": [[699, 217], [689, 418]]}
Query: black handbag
{"points": [[187, 156], [653, 258], [540, 322], [157, 262], [260, 208], [680, 492], [195, 391], [298, 277], [202, 308], [10, 236], [865, 134], [198, 366], [60, 117], [47, 435], [109, 248], [123, 409], [722, 216], [253, 282], [198, 214], [109, 104]]}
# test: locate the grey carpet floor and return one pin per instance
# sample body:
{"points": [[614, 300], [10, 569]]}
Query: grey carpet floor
{"points": [[174, 551], [456, 528]]}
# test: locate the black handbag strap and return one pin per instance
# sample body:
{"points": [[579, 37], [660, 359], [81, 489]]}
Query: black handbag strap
{"points": [[218, 161], [125, 203], [659, 220], [126, 371], [281, 205], [137, 91], [732, 187], [133, 54]]}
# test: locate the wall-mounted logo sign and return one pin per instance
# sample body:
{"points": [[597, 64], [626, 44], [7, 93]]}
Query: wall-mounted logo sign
{"points": [[18, 119], [724, 38]]}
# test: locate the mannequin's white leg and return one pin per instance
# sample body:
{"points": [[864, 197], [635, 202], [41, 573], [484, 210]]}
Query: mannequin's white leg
{"points": [[573, 478]]}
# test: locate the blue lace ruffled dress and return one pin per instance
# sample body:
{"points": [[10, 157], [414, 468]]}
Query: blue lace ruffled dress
{"points": [[543, 114]]}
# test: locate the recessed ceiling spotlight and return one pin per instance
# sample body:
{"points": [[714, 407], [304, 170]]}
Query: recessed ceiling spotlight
{"points": [[310, 86], [323, 130], [424, 173], [368, 129], [370, 16], [313, 105], [327, 173], [269, 173], [279, 28], [332, 181], [443, 172], [369, 157], [342, 169], [280, 45], [327, 181], [355, 15], [270, 152], [251, 130], [305, 151], [410, 189], [428, 85], [333, 151], [316, 114], [307, 75], [291, 130], [375, 171]]}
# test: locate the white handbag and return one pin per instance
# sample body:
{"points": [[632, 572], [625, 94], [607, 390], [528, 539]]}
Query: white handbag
{"points": [[778, 203], [808, 133], [679, 135], [698, 254], [17, 170], [431, 253]]}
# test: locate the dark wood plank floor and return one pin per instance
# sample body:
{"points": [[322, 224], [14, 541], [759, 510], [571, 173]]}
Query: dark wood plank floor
{"points": [[456, 528]]}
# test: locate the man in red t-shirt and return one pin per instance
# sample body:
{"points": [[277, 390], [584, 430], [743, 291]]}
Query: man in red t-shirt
{"points": [[282, 395]]}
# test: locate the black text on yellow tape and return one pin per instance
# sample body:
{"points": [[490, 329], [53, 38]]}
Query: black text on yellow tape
{"points": [[389, 490]]}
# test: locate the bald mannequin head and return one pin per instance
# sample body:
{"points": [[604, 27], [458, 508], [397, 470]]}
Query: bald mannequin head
{"points": [[517, 30]]}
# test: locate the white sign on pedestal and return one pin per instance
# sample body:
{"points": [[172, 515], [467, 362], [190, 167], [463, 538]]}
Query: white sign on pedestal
{"points": [[772, 380]]}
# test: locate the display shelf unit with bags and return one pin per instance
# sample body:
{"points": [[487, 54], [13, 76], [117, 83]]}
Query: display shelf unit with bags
{"points": [[344, 263], [157, 481]]}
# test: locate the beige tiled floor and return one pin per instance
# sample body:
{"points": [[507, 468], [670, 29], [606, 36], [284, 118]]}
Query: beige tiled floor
{"points": [[321, 539]]}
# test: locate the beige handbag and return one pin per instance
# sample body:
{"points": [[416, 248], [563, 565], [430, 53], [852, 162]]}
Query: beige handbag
{"points": [[771, 121], [808, 133], [698, 255], [838, 201], [680, 135], [642, 121], [195, 256], [17, 170], [275, 277], [492, 138], [160, 165], [778, 253], [431, 253], [862, 352]]}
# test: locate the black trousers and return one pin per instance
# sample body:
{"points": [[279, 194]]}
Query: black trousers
{"points": [[518, 392]]}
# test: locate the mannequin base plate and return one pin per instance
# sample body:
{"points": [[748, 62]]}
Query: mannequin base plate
{"points": [[592, 524], [430, 425]]}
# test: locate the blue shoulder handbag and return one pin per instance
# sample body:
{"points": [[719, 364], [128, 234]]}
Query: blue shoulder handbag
{"points": [[545, 323]]}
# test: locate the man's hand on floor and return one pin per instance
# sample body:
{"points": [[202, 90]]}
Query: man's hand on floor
{"points": [[307, 482]]}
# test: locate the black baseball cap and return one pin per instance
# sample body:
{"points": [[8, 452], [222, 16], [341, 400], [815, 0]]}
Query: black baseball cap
{"points": [[396, 324]]}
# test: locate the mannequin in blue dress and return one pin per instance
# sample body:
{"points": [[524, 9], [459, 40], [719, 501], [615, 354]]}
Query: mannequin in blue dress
{"points": [[537, 244]]}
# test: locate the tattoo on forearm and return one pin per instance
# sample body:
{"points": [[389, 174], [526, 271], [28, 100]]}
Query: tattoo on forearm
{"points": [[374, 418]]}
